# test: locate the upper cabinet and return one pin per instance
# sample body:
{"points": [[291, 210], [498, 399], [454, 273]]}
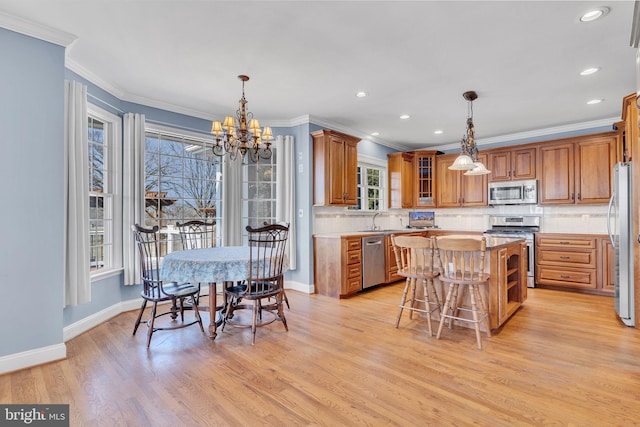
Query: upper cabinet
{"points": [[425, 179], [512, 164], [412, 179], [454, 189], [400, 177], [577, 170], [335, 168]]}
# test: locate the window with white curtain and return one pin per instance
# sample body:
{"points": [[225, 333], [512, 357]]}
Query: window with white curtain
{"points": [[183, 182], [105, 213], [258, 193]]}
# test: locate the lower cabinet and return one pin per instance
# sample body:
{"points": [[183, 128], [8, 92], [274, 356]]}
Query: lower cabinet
{"points": [[508, 282], [337, 266], [574, 262]]}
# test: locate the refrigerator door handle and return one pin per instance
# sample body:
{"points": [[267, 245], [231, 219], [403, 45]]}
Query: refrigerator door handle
{"points": [[609, 209]]}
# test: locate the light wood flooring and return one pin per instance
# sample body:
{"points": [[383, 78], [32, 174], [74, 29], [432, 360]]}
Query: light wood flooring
{"points": [[563, 360]]}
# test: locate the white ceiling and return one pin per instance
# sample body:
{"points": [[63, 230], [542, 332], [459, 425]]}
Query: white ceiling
{"points": [[523, 58]]}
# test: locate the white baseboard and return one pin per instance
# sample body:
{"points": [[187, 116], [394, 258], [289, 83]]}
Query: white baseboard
{"points": [[14, 362], [298, 286], [27, 359]]}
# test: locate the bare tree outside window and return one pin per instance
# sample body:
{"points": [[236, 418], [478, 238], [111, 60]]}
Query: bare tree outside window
{"points": [[182, 182]]}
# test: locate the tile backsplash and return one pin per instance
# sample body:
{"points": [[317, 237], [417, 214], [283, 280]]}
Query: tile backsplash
{"points": [[587, 219]]}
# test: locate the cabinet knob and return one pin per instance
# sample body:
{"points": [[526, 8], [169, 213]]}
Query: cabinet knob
{"points": [[579, 197], [573, 196]]}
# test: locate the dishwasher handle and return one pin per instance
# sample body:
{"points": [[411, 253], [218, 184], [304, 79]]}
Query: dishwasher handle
{"points": [[375, 242]]}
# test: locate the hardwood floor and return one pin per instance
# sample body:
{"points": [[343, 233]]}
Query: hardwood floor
{"points": [[563, 359]]}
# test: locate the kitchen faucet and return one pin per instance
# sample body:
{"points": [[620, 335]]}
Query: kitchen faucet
{"points": [[373, 221]]}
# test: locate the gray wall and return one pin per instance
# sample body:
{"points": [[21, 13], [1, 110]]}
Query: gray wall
{"points": [[31, 185]]}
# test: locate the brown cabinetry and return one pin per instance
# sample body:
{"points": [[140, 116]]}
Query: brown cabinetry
{"points": [[335, 168], [454, 189], [577, 170], [508, 283], [411, 177], [424, 179], [513, 164], [567, 261], [337, 265], [400, 178]]}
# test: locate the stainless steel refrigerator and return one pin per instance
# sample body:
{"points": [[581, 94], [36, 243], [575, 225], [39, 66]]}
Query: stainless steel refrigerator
{"points": [[620, 230]]}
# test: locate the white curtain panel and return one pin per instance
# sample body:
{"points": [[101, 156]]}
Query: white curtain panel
{"points": [[286, 192], [132, 192], [77, 283], [232, 201]]}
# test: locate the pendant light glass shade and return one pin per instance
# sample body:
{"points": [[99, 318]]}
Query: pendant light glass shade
{"points": [[462, 163], [468, 158], [478, 169]]}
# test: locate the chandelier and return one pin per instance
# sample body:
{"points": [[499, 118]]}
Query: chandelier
{"points": [[468, 158], [244, 139]]}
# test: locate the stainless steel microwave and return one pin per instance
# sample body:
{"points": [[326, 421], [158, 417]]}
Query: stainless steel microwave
{"points": [[513, 192]]}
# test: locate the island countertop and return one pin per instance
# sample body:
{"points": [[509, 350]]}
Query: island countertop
{"points": [[492, 241]]}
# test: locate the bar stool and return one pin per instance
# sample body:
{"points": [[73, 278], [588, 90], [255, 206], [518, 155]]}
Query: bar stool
{"points": [[462, 264], [414, 258]]}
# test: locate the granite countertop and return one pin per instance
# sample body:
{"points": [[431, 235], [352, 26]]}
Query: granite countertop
{"points": [[492, 241]]}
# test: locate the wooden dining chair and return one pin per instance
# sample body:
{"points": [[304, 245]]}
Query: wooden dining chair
{"points": [[284, 292], [197, 234], [155, 290], [462, 263], [414, 258], [264, 281]]}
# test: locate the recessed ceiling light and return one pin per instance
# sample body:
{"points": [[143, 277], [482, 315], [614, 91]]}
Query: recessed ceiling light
{"points": [[594, 101], [594, 14], [361, 94], [437, 132], [375, 133], [405, 116], [589, 71]]}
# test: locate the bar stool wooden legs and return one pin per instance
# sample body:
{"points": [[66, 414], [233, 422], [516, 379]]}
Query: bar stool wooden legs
{"points": [[478, 309], [414, 258], [462, 265]]}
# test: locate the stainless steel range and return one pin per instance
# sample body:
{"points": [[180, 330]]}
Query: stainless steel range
{"points": [[522, 226]]}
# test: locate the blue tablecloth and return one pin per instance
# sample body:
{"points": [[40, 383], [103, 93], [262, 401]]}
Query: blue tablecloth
{"points": [[208, 265]]}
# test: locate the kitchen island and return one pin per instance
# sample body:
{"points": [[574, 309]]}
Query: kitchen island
{"points": [[506, 262], [338, 268]]}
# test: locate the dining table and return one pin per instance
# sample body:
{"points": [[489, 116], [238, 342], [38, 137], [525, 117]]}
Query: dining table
{"points": [[220, 264]]}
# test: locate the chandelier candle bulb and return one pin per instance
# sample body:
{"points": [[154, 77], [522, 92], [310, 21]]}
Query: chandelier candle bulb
{"points": [[216, 128]]}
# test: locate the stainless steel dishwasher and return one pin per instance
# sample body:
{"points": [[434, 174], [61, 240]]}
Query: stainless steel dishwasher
{"points": [[373, 272]]}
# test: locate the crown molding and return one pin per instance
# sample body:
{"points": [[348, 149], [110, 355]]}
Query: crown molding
{"points": [[306, 119], [534, 133], [94, 78], [35, 29]]}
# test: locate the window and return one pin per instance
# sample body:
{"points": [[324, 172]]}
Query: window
{"points": [[371, 185], [182, 182], [259, 193], [104, 194]]}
